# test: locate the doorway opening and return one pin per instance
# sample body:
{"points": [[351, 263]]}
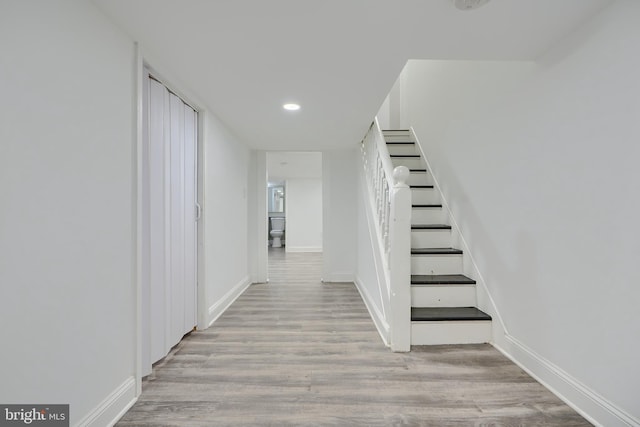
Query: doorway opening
{"points": [[294, 204]]}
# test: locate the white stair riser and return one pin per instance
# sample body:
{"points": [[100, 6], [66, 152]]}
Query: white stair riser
{"points": [[410, 162], [428, 216], [443, 295], [436, 264], [402, 148], [430, 238], [397, 136], [419, 178], [424, 196], [454, 332]]}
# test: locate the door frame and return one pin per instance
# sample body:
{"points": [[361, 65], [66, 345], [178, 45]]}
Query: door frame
{"points": [[142, 63]]}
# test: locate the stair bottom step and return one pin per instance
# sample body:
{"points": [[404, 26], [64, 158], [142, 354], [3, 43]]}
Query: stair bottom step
{"points": [[450, 332]]}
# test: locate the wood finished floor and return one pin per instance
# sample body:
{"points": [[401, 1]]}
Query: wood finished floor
{"points": [[296, 352]]}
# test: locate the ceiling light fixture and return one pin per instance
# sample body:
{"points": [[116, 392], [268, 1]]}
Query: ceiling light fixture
{"points": [[469, 4], [291, 107]]}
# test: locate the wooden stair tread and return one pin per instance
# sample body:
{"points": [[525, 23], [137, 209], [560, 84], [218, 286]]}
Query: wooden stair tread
{"points": [[425, 314], [441, 279], [413, 156], [400, 143], [426, 206], [421, 186], [435, 251], [430, 227]]}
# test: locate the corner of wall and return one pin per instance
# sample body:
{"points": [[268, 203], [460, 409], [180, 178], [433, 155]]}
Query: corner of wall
{"points": [[113, 407], [219, 307]]}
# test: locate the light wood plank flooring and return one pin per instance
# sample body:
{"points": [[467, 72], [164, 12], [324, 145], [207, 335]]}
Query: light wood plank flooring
{"points": [[296, 352]]}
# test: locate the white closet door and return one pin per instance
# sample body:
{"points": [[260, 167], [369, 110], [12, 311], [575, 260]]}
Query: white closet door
{"points": [[176, 114], [169, 228], [145, 259], [158, 268], [191, 228]]}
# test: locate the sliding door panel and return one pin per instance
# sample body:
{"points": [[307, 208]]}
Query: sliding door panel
{"points": [[169, 229], [157, 221], [190, 232]]}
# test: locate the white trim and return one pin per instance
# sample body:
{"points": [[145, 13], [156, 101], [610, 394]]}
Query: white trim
{"points": [[111, 409], [378, 318], [338, 278], [303, 248], [201, 299], [584, 400], [216, 310], [261, 275], [137, 215]]}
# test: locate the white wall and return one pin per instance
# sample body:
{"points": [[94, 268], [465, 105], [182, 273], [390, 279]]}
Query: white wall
{"points": [[294, 164], [303, 199], [339, 216], [539, 163], [258, 227], [225, 215], [67, 127]]}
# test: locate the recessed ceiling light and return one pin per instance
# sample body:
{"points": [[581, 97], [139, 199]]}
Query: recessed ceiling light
{"points": [[291, 107], [469, 4]]}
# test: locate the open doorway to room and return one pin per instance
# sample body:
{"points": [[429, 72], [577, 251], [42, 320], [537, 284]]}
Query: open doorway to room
{"points": [[294, 204]]}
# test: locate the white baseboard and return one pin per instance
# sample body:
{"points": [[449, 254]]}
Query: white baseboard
{"points": [[221, 306], [303, 248], [111, 409], [592, 406], [338, 278], [378, 318]]}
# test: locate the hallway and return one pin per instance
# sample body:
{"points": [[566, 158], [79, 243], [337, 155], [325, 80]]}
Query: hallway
{"points": [[297, 352]]}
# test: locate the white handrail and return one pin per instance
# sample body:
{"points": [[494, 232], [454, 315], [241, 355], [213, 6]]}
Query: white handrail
{"points": [[390, 199]]}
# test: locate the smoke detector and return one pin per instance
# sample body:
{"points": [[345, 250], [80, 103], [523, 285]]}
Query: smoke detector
{"points": [[469, 4]]}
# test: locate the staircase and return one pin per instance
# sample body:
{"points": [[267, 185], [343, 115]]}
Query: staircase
{"points": [[443, 300]]}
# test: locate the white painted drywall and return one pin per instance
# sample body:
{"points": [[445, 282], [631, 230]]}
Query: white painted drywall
{"points": [[539, 162], [384, 114], [67, 128], [225, 214], [303, 227], [257, 226], [339, 215], [294, 164]]}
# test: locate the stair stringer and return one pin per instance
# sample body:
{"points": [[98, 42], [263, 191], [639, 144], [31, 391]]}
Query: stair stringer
{"points": [[379, 314], [484, 300]]}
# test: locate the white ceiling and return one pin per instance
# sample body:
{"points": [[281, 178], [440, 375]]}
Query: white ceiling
{"points": [[338, 58]]}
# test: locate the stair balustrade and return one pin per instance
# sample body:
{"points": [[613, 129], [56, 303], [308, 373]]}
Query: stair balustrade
{"points": [[390, 203]]}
